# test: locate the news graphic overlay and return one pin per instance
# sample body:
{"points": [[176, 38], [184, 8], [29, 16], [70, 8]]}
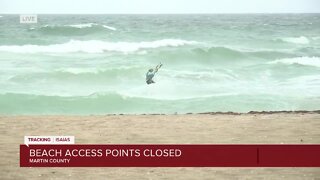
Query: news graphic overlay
{"points": [[28, 19], [48, 140], [94, 155]]}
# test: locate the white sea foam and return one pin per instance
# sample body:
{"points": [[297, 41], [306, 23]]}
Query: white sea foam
{"points": [[109, 27], [297, 40], [82, 26], [95, 46], [86, 25], [308, 61]]}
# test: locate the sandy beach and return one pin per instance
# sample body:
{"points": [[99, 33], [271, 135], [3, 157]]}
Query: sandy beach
{"points": [[253, 128]]}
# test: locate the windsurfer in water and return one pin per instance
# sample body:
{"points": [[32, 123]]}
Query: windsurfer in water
{"points": [[150, 74]]}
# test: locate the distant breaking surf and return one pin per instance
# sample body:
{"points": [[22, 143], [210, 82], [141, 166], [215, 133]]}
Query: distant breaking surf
{"points": [[296, 40], [306, 61], [78, 26], [95, 46], [88, 25]]}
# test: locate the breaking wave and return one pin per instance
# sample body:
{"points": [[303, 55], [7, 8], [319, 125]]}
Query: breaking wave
{"points": [[73, 29], [306, 61], [89, 25], [116, 103], [296, 40], [79, 26], [95, 46]]}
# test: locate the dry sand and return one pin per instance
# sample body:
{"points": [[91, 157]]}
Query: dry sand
{"points": [[277, 128]]}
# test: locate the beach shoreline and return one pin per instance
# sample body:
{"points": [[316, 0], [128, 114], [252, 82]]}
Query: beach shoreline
{"points": [[176, 113]]}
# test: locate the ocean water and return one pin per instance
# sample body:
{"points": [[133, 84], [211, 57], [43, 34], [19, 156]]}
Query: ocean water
{"points": [[96, 64]]}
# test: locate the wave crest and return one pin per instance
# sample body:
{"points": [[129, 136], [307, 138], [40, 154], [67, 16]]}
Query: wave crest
{"points": [[95, 46], [307, 61], [296, 40], [89, 25], [80, 26]]}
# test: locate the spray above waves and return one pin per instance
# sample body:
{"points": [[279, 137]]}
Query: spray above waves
{"points": [[95, 46]]}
